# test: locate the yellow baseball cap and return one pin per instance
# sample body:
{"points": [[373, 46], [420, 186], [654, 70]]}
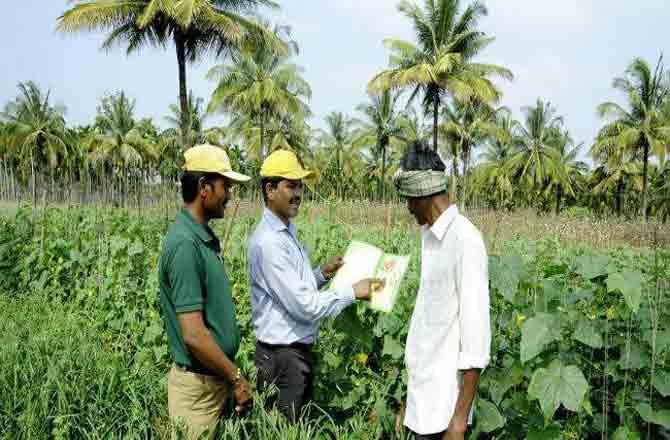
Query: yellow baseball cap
{"points": [[210, 159], [284, 163]]}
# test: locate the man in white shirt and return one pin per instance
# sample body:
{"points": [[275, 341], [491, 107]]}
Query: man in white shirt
{"points": [[450, 335]]}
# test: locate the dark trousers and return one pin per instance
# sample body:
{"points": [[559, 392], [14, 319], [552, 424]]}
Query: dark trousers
{"points": [[437, 436], [291, 370]]}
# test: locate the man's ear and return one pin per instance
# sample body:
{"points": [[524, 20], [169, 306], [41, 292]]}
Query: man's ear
{"points": [[268, 189], [202, 186]]}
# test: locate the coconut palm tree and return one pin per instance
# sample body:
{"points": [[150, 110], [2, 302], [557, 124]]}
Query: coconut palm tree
{"points": [[338, 143], [289, 132], [262, 84], [568, 174], [195, 27], [466, 126], [617, 167], [493, 176], [380, 128], [413, 126], [195, 119], [641, 124], [536, 161], [441, 63], [36, 133], [118, 143], [661, 192]]}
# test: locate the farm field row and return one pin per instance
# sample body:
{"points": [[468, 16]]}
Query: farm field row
{"points": [[581, 341]]}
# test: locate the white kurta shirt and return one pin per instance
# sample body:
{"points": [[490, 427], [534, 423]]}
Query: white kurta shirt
{"points": [[450, 328]]}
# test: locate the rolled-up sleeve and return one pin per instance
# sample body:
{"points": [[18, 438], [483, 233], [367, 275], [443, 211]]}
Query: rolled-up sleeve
{"points": [[474, 312], [300, 299]]}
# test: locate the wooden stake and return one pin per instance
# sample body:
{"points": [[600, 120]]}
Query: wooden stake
{"points": [[230, 226]]}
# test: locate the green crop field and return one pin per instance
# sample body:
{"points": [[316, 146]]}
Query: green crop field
{"points": [[581, 340]]}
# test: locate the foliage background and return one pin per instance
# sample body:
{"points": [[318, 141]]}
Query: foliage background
{"points": [[581, 341]]}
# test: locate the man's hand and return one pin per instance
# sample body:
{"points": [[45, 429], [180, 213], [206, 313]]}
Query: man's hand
{"points": [[457, 428], [365, 288], [242, 394], [329, 269]]}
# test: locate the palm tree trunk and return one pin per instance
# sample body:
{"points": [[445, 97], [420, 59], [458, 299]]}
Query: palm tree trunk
{"points": [[183, 97], [262, 135], [558, 199], [436, 105], [619, 197], [465, 149], [644, 179], [454, 179], [338, 177], [34, 179], [382, 180]]}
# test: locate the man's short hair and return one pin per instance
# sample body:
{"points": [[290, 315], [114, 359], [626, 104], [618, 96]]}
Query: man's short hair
{"points": [[273, 182], [190, 181], [420, 157]]}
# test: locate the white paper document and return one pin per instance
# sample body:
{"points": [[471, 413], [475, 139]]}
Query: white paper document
{"points": [[363, 260]]}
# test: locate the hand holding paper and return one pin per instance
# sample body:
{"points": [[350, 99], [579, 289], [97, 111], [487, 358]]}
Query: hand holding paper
{"points": [[366, 288], [362, 261]]}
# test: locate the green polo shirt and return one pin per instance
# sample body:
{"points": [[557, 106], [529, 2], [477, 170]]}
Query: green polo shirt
{"points": [[191, 278]]}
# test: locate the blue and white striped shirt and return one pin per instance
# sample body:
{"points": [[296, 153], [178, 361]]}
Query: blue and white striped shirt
{"points": [[286, 304]]}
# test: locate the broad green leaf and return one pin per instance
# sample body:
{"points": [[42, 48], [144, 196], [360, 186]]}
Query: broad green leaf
{"points": [[660, 417], [332, 360], [538, 332], [591, 266], [634, 357], [629, 283], [556, 385], [586, 333], [551, 432], [662, 341], [488, 417], [503, 381], [506, 272], [662, 383], [623, 433], [392, 348], [349, 323]]}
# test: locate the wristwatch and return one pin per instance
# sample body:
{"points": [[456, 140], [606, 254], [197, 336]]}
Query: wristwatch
{"points": [[238, 376]]}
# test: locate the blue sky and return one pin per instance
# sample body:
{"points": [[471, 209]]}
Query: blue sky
{"points": [[566, 52]]}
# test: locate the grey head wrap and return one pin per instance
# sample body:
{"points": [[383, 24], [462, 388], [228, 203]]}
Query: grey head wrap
{"points": [[420, 183]]}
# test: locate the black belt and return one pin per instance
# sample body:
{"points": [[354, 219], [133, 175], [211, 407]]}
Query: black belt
{"points": [[296, 345], [192, 369]]}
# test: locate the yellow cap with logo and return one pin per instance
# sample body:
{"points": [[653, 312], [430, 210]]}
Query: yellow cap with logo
{"points": [[284, 163], [210, 159]]}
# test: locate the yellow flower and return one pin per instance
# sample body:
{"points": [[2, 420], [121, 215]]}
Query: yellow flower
{"points": [[519, 320], [362, 358]]}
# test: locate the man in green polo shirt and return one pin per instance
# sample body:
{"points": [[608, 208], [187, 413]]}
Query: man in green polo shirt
{"points": [[196, 299]]}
